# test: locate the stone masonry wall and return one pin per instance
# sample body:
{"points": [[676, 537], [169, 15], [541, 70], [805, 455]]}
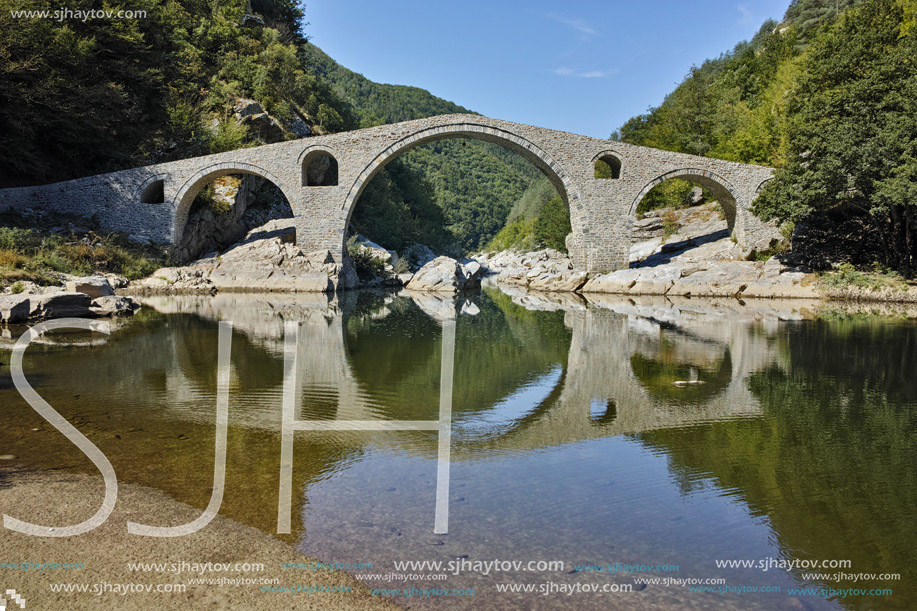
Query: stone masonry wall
{"points": [[600, 209]]}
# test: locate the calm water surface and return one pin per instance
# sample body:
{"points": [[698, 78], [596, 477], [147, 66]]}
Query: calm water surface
{"points": [[593, 433]]}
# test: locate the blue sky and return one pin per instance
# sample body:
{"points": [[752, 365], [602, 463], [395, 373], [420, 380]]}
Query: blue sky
{"points": [[583, 66]]}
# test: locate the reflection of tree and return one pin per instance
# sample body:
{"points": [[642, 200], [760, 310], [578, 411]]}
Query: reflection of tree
{"points": [[833, 460], [397, 363]]}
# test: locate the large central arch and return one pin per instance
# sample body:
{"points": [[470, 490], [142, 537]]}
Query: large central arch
{"points": [[474, 131]]}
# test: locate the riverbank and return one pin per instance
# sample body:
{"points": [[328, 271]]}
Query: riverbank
{"points": [[677, 253], [52, 497]]}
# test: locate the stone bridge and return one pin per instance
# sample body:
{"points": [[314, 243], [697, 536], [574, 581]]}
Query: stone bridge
{"points": [[153, 202]]}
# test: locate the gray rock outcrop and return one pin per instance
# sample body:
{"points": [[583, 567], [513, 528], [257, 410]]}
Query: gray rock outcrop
{"points": [[94, 286], [446, 275], [267, 260], [22, 308]]}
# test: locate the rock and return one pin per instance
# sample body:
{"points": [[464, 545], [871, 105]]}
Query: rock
{"points": [[265, 261], [471, 268], [113, 305], [419, 255], [543, 270], [14, 309], [377, 252], [446, 275], [93, 286], [298, 127], [264, 127], [57, 305], [116, 281], [245, 107]]}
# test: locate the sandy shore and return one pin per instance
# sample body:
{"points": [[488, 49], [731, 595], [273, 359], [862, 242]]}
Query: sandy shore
{"points": [[57, 498]]}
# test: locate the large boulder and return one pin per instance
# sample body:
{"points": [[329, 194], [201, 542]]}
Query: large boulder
{"points": [[389, 257], [14, 308], [56, 305], [245, 107], [419, 255], [113, 305], [265, 127], [93, 286], [446, 275], [266, 260]]}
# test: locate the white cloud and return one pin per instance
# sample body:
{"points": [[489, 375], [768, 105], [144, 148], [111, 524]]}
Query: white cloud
{"points": [[577, 24], [566, 71], [747, 15]]}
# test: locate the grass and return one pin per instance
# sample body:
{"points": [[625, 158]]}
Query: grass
{"points": [[30, 251], [847, 277], [670, 224]]}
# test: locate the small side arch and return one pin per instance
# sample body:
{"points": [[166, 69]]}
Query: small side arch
{"points": [[725, 193], [317, 161], [153, 190], [607, 165], [196, 182]]}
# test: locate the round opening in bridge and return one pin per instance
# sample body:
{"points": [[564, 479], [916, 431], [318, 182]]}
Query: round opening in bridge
{"points": [[682, 215], [608, 166], [319, 169], [154, 193], [460, 193], [231, 208]]}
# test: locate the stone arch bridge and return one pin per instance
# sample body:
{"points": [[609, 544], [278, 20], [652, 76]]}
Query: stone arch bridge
{"points": [[153, 202]]}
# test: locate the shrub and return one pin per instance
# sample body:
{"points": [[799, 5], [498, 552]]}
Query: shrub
{"points": [[848, 277], [366, 264], [669, 223]]}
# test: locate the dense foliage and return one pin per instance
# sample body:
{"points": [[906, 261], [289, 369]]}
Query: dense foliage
{"points": [[538, 219], [853, 134], [85, 96], [827, 97]]}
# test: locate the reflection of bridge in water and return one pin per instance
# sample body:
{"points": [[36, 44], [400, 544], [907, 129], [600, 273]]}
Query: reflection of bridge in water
{"points": [[598, 394]]}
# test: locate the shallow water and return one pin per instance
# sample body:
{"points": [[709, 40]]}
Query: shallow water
{"points": [[596, 433]]}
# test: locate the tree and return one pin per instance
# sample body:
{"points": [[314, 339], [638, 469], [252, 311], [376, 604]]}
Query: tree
{"points": [[853, 131]]}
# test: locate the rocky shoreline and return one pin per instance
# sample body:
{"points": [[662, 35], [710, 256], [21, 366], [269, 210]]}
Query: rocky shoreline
{"points": [[89, 297], [685, 253]]}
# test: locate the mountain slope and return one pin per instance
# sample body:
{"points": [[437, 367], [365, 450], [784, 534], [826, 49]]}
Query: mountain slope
{"points": [[475, 183]]}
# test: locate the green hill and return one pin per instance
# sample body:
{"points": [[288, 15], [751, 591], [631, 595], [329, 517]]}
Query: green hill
{"points": [[829, 97], [474, 183], [85, 97]]}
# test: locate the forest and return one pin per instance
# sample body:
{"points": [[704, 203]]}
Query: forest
{"points": [[828, 97]]}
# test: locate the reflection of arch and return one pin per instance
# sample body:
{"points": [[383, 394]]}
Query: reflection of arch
{"points": [[724, 192], [612, 159], [658, 377], [314, 154], [193, 185], [152, 190], [517, 144]]}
